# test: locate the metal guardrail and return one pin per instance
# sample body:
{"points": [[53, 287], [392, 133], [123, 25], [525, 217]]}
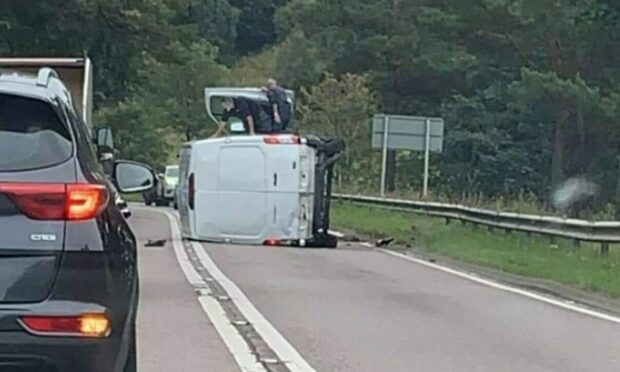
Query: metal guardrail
{"points": [[604, 232]]}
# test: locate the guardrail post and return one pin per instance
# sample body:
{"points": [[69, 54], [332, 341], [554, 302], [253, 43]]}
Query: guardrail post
{"points": [[576, 244], [605, 249], [448, 220]]}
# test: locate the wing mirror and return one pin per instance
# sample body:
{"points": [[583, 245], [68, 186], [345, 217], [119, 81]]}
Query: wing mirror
{"points": [[133, 177], [104, 141]]}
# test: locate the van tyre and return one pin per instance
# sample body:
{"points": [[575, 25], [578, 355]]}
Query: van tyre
{"points": [[323, 241], [132, 356]]}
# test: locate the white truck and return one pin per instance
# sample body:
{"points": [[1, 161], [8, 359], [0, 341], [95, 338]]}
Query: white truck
{"points": [[76, 74]]}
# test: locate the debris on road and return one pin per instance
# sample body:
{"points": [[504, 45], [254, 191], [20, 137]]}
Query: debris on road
{"points": [[155, 243], [384, 242]]}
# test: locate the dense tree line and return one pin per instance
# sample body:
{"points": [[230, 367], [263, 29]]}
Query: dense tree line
{"points": [[529, 89]]}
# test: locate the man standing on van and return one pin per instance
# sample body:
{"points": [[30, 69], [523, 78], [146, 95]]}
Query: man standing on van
{"points": [[280, 105], [255, 120]]}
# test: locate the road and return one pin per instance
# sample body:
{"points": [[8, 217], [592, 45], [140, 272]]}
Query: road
{"points": [[209, 307]]}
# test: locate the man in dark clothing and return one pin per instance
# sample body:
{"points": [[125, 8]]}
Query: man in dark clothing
{"points": [[254, 118], [280, 105]]}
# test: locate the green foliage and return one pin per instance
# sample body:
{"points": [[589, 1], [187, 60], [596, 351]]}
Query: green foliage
{"points": [[530, 91], [340, 108], [517, 253]]}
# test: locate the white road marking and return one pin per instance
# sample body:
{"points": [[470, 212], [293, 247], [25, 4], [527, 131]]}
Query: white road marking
{"points": [[283, 349], [238, 347], [534, 296]]}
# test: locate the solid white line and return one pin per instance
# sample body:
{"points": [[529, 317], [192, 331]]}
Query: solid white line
{"points": [[238, 347], [283, 349], [521, 292]]}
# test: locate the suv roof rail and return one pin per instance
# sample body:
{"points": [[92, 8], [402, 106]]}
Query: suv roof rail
{"points": [[44, 75]]}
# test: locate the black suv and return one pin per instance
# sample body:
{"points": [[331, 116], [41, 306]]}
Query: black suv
{"points": [[68, 259]]}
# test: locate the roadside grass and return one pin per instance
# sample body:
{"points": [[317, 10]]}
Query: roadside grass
{"points": [[133, 198], [517, 253]]}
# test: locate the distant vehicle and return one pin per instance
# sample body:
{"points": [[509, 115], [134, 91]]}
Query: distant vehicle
{"points": [[68, 259], [171, 181], [271, 190], [164, 193]]}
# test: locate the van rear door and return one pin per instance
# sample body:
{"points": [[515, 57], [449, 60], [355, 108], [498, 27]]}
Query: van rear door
{"points": [[215, 96]]}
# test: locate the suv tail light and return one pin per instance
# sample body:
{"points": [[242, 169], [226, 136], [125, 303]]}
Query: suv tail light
{"points": [[191, 190], [85, 325], [54, 201]]}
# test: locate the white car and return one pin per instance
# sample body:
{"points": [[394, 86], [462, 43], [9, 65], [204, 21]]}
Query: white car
{"points": [[170, 182]]}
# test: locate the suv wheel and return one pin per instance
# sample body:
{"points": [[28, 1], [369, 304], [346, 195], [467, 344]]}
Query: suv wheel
{"points": [[132, 357]]}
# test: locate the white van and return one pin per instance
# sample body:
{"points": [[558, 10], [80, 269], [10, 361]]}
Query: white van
{"points": [[272, 189]]}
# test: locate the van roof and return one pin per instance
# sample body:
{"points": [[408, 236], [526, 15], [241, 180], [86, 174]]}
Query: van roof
{"points": [[236, 139]]}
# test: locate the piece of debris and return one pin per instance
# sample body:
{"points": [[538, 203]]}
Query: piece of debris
{"points": [[384, 242], [432, 260], [155, 243]]}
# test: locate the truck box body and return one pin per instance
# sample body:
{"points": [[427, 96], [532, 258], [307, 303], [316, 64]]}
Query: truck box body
{"points": [[255, 190], [76, 74]]}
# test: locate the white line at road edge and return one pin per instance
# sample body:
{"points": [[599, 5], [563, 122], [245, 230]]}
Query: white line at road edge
{"points": [[521, 292], [283, 349], [240, 350]]}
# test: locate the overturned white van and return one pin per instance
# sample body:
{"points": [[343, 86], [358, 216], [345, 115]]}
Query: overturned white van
{"points": [[258, 190], [264, 189]]}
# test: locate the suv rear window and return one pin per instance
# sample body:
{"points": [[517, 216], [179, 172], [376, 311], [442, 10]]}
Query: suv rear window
{"points": [[31, 135]]}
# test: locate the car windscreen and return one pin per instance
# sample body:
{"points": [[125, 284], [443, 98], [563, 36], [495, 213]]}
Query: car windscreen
{"points": [[172, 172], [32, 135]]}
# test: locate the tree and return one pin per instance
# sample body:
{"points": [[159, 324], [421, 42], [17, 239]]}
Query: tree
{"points": [[341, 108]]}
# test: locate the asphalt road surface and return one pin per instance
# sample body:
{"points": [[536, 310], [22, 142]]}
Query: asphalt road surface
{"points": [[208, 307]]}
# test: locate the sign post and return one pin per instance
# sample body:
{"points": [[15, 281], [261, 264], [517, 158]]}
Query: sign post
{"points": [[386, 130], [395, 132], [427, 145]]}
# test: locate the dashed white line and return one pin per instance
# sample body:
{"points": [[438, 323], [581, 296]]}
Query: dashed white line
{"points": [[531, 295], [238, 347], [283, 349]]}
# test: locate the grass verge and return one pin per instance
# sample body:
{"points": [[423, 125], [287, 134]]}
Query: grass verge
{"points": [[133, 198], [517, 253]]}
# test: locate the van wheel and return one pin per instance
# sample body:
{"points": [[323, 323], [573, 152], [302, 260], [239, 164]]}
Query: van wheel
{"points": [[132, 357]]}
